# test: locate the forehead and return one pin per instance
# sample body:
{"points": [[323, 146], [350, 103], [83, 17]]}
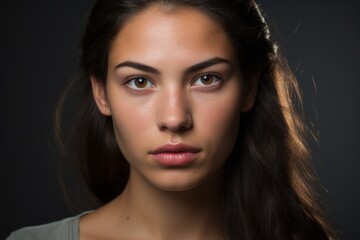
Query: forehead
{"points": [[179, 32]]}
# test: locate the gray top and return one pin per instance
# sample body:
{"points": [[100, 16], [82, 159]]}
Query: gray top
{"points": [[66, 229]]}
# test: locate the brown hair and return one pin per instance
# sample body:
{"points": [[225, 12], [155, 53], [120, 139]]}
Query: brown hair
{"points": [[269, 191]]}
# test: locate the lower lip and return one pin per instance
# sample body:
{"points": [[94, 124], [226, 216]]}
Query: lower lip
{"points": [[174, 159]]}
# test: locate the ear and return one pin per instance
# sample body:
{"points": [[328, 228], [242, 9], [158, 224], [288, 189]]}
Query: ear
{"points": [[99, 94], [250, 92]]}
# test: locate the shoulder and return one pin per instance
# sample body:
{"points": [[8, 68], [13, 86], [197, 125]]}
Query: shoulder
{"points": [[59, 230]]}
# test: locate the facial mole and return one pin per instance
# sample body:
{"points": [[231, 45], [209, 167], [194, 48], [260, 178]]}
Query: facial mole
{"points": [[127, 218]]}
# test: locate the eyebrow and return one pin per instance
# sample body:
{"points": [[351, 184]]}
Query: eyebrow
{"points": [[194, 68]]}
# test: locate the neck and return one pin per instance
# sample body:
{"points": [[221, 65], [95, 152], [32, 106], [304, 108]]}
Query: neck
{"points": [[190, 214]]}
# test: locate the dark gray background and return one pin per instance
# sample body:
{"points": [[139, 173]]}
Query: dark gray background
{"points": [[39, 54]]}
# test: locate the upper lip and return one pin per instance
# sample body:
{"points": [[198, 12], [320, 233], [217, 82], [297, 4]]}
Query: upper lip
{"points": [[174, 148]]}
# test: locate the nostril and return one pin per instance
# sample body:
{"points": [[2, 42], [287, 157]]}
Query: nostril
{"points": [[162, 127], [184, 128]]}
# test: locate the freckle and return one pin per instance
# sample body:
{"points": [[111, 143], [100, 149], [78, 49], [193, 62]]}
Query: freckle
{"points": [[127, 218]]}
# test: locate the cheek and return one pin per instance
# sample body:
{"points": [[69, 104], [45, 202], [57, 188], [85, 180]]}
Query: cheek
{"points": [[219, 122], [132, 124]]}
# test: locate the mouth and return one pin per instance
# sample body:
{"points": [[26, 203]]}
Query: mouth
{"points": [[175, 155]]}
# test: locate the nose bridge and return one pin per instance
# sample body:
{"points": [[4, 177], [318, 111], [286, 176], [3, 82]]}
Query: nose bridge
{"points": [[174, 111]]}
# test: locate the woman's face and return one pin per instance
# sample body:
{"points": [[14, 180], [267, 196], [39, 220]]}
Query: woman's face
{"points": [[175, 93]]}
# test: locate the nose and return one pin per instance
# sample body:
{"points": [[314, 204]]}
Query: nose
{"points": [[174, 112]]}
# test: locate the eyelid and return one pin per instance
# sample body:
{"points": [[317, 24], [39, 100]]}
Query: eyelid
{"points": [[216, 75], [133, 78]]}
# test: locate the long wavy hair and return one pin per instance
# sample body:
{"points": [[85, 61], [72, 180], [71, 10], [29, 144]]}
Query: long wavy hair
{"points": [[269, 191]]}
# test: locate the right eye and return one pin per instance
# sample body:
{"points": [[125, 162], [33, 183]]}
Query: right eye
{"points": [[139, 83]]}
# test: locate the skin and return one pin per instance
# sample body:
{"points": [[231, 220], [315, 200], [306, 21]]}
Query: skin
{"points": [[170, 105]]}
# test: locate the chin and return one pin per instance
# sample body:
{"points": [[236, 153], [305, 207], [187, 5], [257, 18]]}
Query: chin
{"points": [[177, 181], [177, 187]]}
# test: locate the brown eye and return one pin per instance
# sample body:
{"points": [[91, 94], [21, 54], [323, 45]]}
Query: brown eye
{"points": [[139, 83], [206, 80]]}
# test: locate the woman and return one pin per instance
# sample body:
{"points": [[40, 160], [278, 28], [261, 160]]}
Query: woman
{"points": [[186, 128]]}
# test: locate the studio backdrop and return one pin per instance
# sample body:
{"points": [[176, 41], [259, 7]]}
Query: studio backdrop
{"points": [[39, 54]]}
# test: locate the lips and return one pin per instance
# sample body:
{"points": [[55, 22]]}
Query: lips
{"points": [[175, 155]]}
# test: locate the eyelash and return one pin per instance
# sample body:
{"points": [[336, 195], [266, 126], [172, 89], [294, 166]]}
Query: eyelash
{"points": [[132, 82], [218, 80]]}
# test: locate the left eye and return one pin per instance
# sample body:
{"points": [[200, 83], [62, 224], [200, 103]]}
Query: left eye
{"points": [[140, 83], [207, 80]]}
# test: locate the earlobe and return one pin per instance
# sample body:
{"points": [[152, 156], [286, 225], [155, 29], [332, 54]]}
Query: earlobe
{"points": [[99, 94], [250, 93]]}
